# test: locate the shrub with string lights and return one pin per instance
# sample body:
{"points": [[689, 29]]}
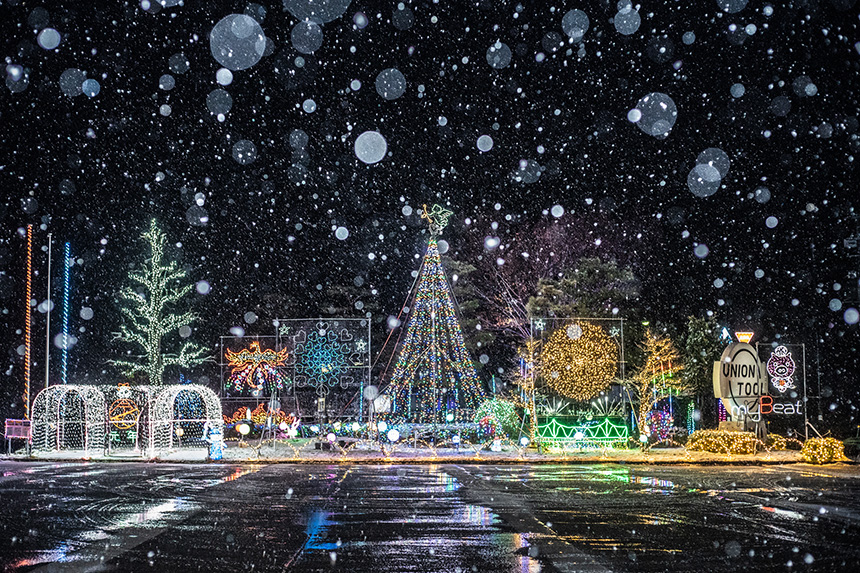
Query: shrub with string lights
{"points": [[661, 422], [722, 442], [823, 451], [498, 417]]}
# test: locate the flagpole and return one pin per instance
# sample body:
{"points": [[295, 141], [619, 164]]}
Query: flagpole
{"points": [[48, 321]]}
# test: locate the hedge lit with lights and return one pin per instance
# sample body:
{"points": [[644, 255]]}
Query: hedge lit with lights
{"points": [[722, 442], [823, 451]]}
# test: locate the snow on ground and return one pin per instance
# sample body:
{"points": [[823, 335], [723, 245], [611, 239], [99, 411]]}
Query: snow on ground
{"points": [[285, 451]]}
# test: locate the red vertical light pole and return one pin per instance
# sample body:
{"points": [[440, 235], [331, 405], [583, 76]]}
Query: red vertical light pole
{"points": [[27, 325]]}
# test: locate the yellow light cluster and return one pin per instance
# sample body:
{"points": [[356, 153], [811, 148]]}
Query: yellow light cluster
{"points": [[823, 450], [580, 367], [777, 443], [723, 442]]}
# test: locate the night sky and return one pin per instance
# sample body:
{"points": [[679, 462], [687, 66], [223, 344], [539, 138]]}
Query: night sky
{"points": [[512, 113]]}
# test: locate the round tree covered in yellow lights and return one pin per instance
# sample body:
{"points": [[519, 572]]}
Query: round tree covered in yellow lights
{"points": [[579, 361]]}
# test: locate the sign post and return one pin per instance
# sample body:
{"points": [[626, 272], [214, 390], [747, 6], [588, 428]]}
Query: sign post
{"points": [[786, 368], [740, 382]]}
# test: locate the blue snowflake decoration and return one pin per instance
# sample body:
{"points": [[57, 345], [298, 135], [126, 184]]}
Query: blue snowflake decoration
{"points": [[322, 359]]}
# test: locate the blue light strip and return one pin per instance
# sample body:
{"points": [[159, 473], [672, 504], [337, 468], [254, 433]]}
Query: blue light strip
{"points": [[66, 283]]}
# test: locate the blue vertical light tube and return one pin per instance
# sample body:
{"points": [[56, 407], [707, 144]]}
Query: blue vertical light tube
{"points": [[66, 291]]}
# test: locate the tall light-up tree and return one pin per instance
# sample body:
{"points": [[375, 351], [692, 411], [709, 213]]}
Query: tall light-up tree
{"points": [[150, 315], [434, 375], [658, 378]]}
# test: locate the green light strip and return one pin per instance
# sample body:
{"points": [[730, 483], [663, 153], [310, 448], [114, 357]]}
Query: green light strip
{"points": [[605, 431]]}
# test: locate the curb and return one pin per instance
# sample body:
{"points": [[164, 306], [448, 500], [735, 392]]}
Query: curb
{"points": [[436, 461]]}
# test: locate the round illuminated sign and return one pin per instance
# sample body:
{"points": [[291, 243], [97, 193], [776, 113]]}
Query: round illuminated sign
{"points": [[742, 381]]}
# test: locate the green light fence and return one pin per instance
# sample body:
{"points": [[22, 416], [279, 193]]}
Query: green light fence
{"points": [[594, 433]]}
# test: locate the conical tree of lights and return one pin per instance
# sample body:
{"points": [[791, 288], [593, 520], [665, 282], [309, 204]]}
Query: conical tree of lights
{"points": [[434, 375]]}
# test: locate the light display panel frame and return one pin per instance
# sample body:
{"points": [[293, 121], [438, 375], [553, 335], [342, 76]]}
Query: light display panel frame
{"points": [[799, 393], [601, 432], [797, 375], [327, 358], [543, 328], [255, 368]]}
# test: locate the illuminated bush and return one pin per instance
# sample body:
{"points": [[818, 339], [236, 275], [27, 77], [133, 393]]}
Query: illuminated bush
{"points": [[498, 416], [776, 442], [722, 442], [823, 450]]}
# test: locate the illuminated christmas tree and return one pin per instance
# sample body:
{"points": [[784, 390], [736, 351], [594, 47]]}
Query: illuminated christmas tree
{"points": [[434, 375], [149, 315]]}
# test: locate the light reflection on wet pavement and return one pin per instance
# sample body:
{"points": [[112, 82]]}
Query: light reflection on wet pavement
{"points": [[424, 518]]}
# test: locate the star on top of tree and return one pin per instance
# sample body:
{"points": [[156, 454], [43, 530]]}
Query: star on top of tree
{"points": [[437, 218]]}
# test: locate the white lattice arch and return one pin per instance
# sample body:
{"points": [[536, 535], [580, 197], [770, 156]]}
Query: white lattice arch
{"points": [[164, 423], [59, 423]]}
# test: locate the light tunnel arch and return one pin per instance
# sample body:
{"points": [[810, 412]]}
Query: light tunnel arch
{"points": [[165, 421], [54, 425]]}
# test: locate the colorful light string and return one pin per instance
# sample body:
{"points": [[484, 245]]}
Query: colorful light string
{"points": [[67, 257], [259, 416], [434, 374], [691, 417], [27, 322]]}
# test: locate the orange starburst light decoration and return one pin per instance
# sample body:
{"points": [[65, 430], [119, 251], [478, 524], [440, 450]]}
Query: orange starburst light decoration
{"points": [[253, 367]]}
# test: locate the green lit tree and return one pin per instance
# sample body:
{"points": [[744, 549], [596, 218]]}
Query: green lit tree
{"points": [[433, 374], [592, 287], [702, 347], [149, 315]]}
